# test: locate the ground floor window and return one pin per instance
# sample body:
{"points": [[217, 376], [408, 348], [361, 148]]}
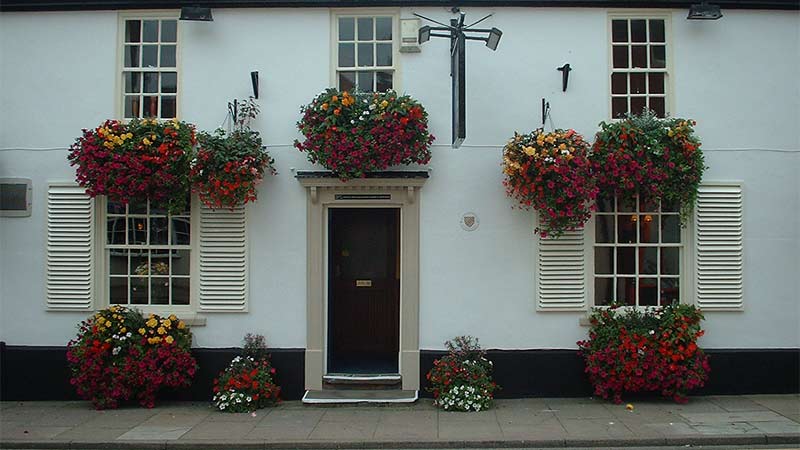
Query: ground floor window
{"points": [[147, 253], [637, 252]]}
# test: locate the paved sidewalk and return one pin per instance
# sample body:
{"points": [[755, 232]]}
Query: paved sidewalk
{"points": [[557, 422]]}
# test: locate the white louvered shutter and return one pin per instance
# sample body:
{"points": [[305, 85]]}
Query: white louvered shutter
{"points": [[719, 246], [70, 248], [223, 265], [561, 272]]}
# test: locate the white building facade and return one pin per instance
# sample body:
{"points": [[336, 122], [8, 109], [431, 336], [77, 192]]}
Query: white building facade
{"points": [[62, 70]]}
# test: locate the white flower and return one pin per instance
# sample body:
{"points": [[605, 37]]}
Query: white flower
{"points": [[116, 350], [652, 332], [372, 106]]}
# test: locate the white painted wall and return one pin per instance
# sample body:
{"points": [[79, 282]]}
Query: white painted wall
{"points": [[736, 76]]}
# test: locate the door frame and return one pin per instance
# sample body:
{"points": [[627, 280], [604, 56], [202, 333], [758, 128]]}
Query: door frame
{"points": [[324, 192]]}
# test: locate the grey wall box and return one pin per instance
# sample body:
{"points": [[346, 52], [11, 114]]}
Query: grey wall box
{"points": [[15, 197]]}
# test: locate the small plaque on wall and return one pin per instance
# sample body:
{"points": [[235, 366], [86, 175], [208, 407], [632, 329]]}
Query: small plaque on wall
{"points": [[15, 197], [469, 221]]}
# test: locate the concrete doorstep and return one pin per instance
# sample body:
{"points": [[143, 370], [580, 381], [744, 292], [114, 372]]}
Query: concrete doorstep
{"points": [[753, 420]]}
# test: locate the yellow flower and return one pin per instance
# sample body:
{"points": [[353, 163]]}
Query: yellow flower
{"points": [[141, 330], [161, 330], [100, 320], [169, 339], [109, 323], [172, 317], [530, 151], [166, 323], [146, 141], [384, 104], [181, 325], [152, 322], [563, 146], [123, 330]]}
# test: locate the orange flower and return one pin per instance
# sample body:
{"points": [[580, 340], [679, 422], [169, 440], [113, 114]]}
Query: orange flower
{"points": [[336, 111]]}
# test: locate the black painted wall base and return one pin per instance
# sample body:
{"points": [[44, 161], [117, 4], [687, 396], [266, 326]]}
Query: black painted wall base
{"points": [[41, 373]]}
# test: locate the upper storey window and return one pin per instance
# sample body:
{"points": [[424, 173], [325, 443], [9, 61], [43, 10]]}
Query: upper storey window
{"points": [[150, 68], [365, 53], [639, 69]]}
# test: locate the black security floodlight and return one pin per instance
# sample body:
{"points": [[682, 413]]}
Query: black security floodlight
{"points": [[424, 34], [494, 38], [459, 33], [197, 13], [704, 11]]}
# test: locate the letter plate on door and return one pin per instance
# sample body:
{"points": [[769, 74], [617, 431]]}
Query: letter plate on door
{"points": [[363, 283]]}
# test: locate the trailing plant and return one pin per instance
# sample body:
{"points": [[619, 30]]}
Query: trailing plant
{"points": [[351, 134], [229, 166], [248, 382], [632, 350], [136, 161], [551, 173], [654, 157], [120, 355], [462, 379]]}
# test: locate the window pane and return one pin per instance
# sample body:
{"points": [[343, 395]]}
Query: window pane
{"points": [[670, 290], [139, 291], [140, 262], [116, 230], [658, 56], [604, 229], [113, 207], [167, 56], [603, 291], [365, 28], [619, 83], [670, 261], [670, 229], [656, 83], [158, 231], [180, 231], [648, 260], [168, 107], [619, 106], [150, 107], [638, 83], [638, 104], [118, 262], [626, 229], [169, 82], [347, 81], [638, 30], [627, 204], [133, 30], [150, 31], [620, 56], [137, 231], [137, 207], [626, 260], [383, 28], [605, 203], [131, 55], [648, 204], [619, 31], [383, 81], [384, 55], [118, 290], [159, 262], [347, 55], [133, 82], [149, 56], [639, 56], [159, 290], [648, 291], [604, 260], [656, 30], [180, 262], [648, 228], [657, 105], [169, 30], [347, 28], [365, 81], [151, 82], [180, 291], [626, 291], [131, 107], [366, 55]]}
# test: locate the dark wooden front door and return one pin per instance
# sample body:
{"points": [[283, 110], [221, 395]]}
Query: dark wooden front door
{"points": [[364, 290]]}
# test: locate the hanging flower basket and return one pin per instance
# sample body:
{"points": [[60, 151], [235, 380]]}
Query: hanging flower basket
{"points": [[351, 134], [551, 173], [651, 157], [229, 166], [136, 161]]}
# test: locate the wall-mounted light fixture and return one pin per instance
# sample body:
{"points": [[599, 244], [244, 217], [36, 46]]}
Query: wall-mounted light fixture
{"points": [[198, 13], [254, 80], [565, 69], [704, 11], [459, 33]]}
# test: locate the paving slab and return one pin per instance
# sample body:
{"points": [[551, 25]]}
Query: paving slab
{"points": [[231, 431], [153, 433], [735, 403], [116, 418], [726, 417], [407, 425], [26, 432]]}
